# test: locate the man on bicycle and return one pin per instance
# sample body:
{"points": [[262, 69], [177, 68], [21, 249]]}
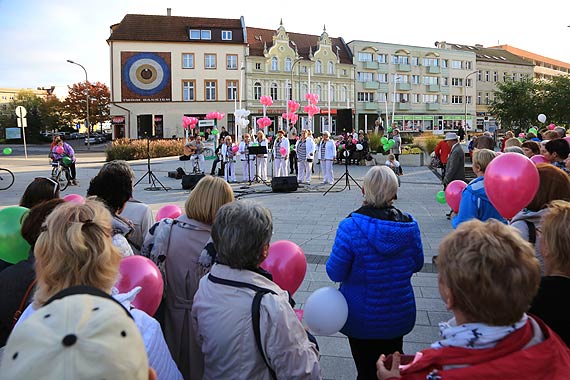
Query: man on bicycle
{"points": [[64, 154]]}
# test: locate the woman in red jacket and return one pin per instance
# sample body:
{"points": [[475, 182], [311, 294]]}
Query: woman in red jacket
{"points": [[442, 150], [488, 276]]}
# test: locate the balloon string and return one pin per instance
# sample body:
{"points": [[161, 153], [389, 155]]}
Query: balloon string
{"points": [[316, 236]]}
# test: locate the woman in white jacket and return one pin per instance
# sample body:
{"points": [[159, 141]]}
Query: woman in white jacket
{"points": [[261, 159], [247, 160], [228, 156], [222, 309], [280, 159], [326, 154], [75, 248], [305, 148]]}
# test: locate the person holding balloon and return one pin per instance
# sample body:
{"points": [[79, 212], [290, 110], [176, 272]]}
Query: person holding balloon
{"points": [[64, 153], [396, 148], [280, 154], [487, 277], [375, 266], [305, 149], [223, 309], [474, 202], [75, 247], [455, 167], [326, 154]]}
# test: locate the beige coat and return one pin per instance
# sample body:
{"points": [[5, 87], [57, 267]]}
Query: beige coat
{"points": [[222, 318]]}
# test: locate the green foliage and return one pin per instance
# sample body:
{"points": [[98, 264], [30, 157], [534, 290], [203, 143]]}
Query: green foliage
{"points": [[374, 142], [407, 138], [126, 149], [427, 141], [411, 149]]}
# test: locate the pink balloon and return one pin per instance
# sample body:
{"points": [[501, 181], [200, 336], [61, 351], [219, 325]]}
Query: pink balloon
{"points": [[522, 135], [140, 271], [287, 263], [354, 141], [283, 151], [538, 159], [168, 211], [567, 138], [294, 118], [235, 148], [74, 198], [59, 149], [453, 193], [511, 182], [551, 126]]}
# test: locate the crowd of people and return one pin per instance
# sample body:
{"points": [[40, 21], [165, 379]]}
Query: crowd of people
{"points": [[222, 316]]}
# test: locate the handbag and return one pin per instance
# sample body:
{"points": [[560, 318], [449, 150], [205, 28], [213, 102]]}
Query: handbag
{"points": [[436, 163]]}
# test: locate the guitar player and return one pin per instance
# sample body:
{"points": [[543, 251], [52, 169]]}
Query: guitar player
{"points": [[195, 149]]}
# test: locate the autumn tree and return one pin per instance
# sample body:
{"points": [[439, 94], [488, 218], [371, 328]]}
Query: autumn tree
{"points": [[99, 99], [515, 104]]}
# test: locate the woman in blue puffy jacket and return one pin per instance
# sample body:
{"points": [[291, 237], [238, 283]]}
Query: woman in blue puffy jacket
{"points": [[376, 251]]}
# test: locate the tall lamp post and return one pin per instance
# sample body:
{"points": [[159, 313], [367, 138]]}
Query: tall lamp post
{"points": [[86, 101], [465, 95]]}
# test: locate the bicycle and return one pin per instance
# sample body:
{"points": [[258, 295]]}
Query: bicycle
{"points": [[60, 173], [6, 179]]}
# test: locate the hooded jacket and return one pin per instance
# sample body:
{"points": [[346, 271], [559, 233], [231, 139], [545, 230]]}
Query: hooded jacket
{"points": [[374, 255], [476, 205], [519, 222]]}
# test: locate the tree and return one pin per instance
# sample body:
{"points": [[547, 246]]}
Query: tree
{"points": [[515, 103], [554, 100], [53, 114], [99, 100]]}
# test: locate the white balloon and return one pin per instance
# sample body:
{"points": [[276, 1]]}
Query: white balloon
{"points": [[326, 311], [542, 118], [359, 147]]}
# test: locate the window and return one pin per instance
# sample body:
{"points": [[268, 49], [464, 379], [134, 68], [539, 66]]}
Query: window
{"points": [[468, 100], [487, 99], [478, 98], [415, 61], [431, 62], [415, 98], [383, 78], [188, 91], [288, 65], [480, 76], [401, 98], [364, 57], [365, 97], [258, 66], [196, 34], [415, 79], [289, 90], [444, 63], [468, 82], [444, 99], [226, 35], [330, 67], [487, 76], [400, 59], [457, 82], [273, 91], [210, 88], [445, 81], [274, 64], [209, 61], [430, 98], [382, 96], [231, 61], [257, 90], [469, 65], [187, 60], [495, 76], [431, 80], [319, 91], [382, 58], [456, 99], [343, 92], [364, 77], [319, 67], [456, 64], [331, 93], [232, 89], [399, 78]]}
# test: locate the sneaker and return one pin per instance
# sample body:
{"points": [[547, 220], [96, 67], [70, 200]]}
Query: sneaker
{"points": [[75, 182]]}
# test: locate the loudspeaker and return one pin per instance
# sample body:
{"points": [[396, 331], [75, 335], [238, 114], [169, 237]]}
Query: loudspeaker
{"points": [[284, 184], [344, 120], [189, 182]]}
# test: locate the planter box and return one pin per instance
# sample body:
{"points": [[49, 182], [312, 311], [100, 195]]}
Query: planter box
{"points": [[405, 159]]}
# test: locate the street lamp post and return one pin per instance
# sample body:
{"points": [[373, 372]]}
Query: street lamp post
{"points": [[87, 101], [292, 72], [465, 101]]}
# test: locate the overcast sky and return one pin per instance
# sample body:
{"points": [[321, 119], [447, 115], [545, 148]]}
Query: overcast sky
{"points": [[38, 36]]}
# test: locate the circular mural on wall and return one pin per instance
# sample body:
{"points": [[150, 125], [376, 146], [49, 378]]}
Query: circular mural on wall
{"points": [[146, 74]]}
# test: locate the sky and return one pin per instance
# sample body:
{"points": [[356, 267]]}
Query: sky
{"points": [[38, 36]]}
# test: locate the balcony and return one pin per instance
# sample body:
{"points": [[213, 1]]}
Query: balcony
{"points": [[432, 107], [383, 68], [403, 86], [370, 106], [371, 85], [384, 87], [432, 88], [403, 106], [370, 65], [433, 70], [403, 67]]}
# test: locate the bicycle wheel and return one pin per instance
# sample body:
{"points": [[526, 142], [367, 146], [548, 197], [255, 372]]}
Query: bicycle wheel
{"points": [[6, 179], [60, 178]]}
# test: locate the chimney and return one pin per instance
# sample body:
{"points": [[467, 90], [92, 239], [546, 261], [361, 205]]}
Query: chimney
{"points": [[478, 46], [169, 11]]}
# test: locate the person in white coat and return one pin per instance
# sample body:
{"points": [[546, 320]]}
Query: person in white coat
{"points": [[222, 309], [229, 159], [305, 148], [261, 159], [279, 158], [247, 160], [326, 153]]}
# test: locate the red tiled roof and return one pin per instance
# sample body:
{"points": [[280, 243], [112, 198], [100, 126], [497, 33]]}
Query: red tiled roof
{"points": [[173, 28], [256, 37], [531, 56]]}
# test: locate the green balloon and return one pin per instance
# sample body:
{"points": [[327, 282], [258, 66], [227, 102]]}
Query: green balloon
{"points": [[66, 161], [384, 140], [386, 147], [389, 129], [215, 132], [440, 197], [533, 130], [13, 247], [7, 151], [391, 143], [201, 134]]}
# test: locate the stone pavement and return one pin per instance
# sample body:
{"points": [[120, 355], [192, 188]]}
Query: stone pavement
{"points": [[305, 217]]}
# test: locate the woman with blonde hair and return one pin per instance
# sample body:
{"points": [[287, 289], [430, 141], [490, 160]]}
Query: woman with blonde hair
{"points": [[76, 247], [474, 201], [175, 245], [375, 271]]}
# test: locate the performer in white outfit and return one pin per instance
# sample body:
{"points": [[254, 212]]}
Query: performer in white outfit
{"points": [[305, 148], [229, 159], [197, 152], [326, 153], [280, 159], [261, 159], [247, 160]]}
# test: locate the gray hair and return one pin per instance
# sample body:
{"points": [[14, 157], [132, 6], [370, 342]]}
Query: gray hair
{"points": [[119, 166], [561, 131], [514, 149], [240, 232], [380, 186]]}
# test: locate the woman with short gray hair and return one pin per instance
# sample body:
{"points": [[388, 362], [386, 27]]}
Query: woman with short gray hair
{"points": [[224, 307]]}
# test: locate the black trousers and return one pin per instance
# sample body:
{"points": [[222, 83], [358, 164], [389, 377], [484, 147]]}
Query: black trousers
{"points": [[366, 352]]}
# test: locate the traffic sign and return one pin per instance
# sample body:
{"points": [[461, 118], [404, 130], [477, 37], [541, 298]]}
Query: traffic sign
{"points": [[22, 122], [21, 111]]}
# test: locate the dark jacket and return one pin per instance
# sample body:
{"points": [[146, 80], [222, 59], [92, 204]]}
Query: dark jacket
{"points": [[455, 168]]}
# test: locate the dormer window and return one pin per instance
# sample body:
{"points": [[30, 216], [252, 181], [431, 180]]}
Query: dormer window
{"points": [[226, 35], [197, 34]]}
